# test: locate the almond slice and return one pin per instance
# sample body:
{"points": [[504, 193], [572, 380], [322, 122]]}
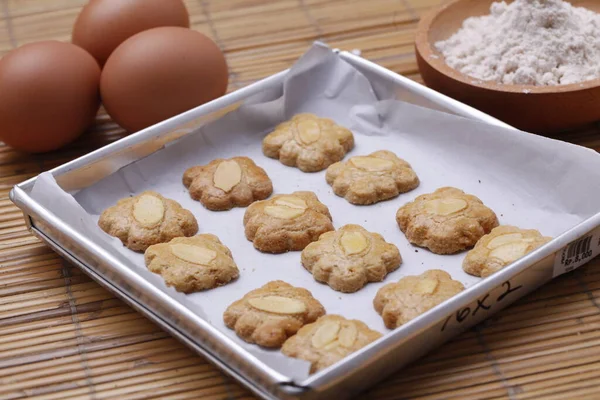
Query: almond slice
{"points": [[148, 210], [283, 212], [372, 164], [278, 304], [309, 131], [510, 252], [445, 206], [291, 202], [325, 334], [504, 239], [353, 242], [348, 335], [193, 254], [332, 345], [427, 286], [227, 175]]}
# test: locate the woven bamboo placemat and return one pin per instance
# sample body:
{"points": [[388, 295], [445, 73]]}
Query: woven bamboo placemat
{"points": [[64, 337]]}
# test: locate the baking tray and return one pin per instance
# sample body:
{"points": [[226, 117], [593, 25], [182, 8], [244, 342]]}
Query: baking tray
{"points": [[356, 372]]}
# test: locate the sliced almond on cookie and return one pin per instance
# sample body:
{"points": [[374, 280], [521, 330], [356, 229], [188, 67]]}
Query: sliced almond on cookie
{"points": [[309, 131], [291, 202], [325, 334], [426, 286], [332, 345], [193, 254], [348, 335], [504, 239], [353, 242], [227, 175], [278, 304], [372, 164], [445, 206], [510, 251], [148, 210], [283, 212]]}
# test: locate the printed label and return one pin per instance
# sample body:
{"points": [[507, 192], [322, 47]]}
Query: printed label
{"points": [[577, 253]]}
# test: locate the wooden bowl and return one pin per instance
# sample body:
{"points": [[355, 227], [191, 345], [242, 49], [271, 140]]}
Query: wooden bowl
{"points": [[531, 108]]}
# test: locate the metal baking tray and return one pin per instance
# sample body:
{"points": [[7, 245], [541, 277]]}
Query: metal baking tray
{"points": [[356, 372]]}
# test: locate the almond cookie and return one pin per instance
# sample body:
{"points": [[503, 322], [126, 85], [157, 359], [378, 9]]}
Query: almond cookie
{"points": [[147, 219], [501, 247], [368, 179], [350, 257], [411, 296], [287, 222], [308, 142], [446, 221], [192, 264], [327, 341], [269, 315], [224, 184]]}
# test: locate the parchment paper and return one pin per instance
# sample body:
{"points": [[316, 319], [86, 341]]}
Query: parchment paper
{"points": [[529, 181]]}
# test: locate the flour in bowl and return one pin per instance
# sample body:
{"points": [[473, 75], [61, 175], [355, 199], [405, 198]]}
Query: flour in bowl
{"points": [[528, 42]]}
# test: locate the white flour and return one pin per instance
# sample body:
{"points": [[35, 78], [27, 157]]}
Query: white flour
{"points": [[528, 42]]}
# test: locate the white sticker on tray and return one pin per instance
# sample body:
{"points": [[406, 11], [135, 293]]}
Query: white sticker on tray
{"points": [[577, 253]]}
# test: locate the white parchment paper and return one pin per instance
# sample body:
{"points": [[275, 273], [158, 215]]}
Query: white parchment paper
{"points": [[529, 181]]}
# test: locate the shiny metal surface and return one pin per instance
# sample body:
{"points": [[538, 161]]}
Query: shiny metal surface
{"points": [[356, 372]]}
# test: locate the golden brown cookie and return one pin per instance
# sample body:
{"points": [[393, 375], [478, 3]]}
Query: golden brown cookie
{"points": [[411, 296], [224, 184], [308, 142], [286, 222], [269, 315], [147, 219], [368, 179], [445, 221], [192, 264], [327, 341], [501, 247], [350, 257]]}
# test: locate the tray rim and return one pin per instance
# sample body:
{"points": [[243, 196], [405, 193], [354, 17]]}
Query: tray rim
{"points": [[20, 197], [142, 309]]}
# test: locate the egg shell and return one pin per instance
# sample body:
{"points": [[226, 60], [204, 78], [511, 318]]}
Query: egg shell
{"points": [[48, 95], [103, 25], [160, 73]]}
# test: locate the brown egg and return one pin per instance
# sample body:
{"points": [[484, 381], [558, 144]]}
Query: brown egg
{"points": [[48, 95], [160, 73], [103, 25]]}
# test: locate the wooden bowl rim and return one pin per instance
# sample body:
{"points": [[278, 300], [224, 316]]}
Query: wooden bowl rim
{"points": [[437, 62]]}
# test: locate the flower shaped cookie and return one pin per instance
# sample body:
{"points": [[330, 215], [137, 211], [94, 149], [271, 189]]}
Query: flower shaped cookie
{"points": [[286, 222], [224, 184], [147, 219], [411, 296], [350, 258], [327, 341], [445, 221], [308, 142], [269, 315], [192, 264], [501, 247], [368, 179]]}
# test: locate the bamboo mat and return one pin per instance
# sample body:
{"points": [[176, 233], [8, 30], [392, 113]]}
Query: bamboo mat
{"points": [[64, 337]]}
